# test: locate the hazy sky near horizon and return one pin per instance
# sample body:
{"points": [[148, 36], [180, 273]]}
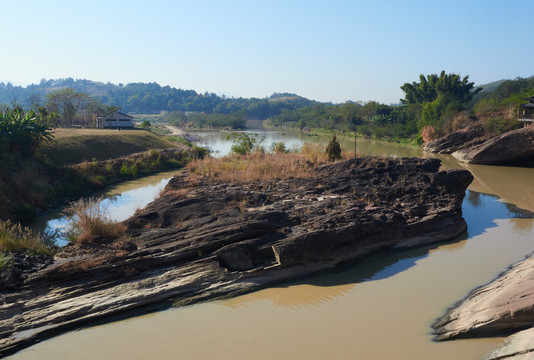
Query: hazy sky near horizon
{"points": [[324, 50]]}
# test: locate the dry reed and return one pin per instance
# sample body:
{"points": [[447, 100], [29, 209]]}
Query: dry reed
{"points": [[89, 218], [260, 166], [14, 237]]}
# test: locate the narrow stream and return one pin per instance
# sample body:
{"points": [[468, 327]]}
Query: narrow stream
{"points": [[380, 308]]}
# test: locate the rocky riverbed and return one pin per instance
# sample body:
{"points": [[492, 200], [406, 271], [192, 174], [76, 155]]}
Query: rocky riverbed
{"points": [[211, 239]]}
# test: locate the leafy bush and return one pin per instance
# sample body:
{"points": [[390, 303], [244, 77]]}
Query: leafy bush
{"points": [[333, 149], [128, 171], [428, 133], [243, 144], [146, 124], [21, 133], [179, 140], [498, 125], [279, 147]]}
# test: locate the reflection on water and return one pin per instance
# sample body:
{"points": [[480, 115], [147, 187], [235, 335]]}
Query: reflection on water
{"points": [[512, 184], [220, 145], [481, 210], [120, 202], [307, 295], [381, 308]]}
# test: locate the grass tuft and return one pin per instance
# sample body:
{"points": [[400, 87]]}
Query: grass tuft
{"points": [[260, 166], [14, 237], [89, 218]]}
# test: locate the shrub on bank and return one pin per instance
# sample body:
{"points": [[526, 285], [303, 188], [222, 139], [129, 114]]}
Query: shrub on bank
{"points": [[14, 237], [100, 173], [261, 166], [88, 219]]}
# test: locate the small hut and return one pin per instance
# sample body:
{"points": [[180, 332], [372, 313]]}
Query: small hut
{"points": [[114, 120], [526, 112]]}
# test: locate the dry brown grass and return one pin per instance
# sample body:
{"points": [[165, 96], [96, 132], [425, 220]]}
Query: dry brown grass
{"points": [[261, 166], [89, 219], [14, 237]]}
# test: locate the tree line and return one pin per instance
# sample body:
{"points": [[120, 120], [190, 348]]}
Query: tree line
{"points": [[433, 106], [153, 98]]}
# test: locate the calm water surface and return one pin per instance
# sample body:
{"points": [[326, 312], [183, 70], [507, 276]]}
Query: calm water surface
{"points": [[381, 308]]}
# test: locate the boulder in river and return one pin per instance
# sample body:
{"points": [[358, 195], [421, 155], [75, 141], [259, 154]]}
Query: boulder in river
{"points": [[511, 147], [498, 308], [448, 144]]}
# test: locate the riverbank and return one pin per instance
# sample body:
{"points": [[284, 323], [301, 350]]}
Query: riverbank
{"points": [[80, 162], [217, 239], [74, 146]]}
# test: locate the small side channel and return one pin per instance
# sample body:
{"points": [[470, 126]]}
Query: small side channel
{"points": [[120, 201]]}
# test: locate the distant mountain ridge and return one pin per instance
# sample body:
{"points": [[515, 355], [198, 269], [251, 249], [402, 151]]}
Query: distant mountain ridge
{"points": [[489, 87], [152, 98]]}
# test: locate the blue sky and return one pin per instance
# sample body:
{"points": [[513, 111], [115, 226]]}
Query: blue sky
{"points": [[324, 50]]}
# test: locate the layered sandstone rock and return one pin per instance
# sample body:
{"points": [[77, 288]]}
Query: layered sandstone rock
{"points": [[216, 239], [501, 307], [510, 147]]}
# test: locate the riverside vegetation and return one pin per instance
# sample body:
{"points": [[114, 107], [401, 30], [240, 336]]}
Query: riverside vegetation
{"points": [[41, 167], [433, 106]]}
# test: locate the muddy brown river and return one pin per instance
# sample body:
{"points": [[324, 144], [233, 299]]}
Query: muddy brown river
{"points": [[379, 308]]}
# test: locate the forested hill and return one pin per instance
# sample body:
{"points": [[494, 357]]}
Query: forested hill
{"points": [[151, 97]]}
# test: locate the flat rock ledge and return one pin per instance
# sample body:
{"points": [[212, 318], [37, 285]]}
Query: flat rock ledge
{"points": [[519, 346], [208, 240], [501, 307]]}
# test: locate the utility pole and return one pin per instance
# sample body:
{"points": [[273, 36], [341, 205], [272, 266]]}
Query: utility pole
{"points": [[355, 153]]}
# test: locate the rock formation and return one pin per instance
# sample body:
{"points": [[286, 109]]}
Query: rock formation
{"points": [[448, 144], [510, 147], [211, 239], [472, 146], [501, 307], [519, 346]]}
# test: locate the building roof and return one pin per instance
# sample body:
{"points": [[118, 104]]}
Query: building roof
{"points": [[530, 98], [116, 112], [528, 106]]}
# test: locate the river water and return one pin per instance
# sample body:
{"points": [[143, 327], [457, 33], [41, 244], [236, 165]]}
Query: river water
{"points": [[380, 308]]}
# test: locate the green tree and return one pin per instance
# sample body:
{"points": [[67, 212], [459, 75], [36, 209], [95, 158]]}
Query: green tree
{"points": [[21, 133], [67, 102], [243, 144], [436, 99], [429, 88], [146, 124], [333, 150]]}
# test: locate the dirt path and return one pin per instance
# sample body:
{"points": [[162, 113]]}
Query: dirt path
{"points": [[174, 130]]}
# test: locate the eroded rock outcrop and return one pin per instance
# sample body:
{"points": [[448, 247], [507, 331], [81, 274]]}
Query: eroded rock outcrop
{"points": [[467, 137], [510, 147], [474, 146], [501, 307], [519, 346], [215, 239]]}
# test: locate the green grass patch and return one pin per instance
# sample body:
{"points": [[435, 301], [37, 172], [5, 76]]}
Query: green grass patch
{"points": [[179, 140], [74, 146]]}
